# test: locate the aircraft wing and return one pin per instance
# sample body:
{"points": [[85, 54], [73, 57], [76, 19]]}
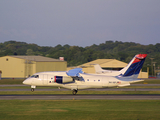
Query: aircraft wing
{"points": [[74, 72]]}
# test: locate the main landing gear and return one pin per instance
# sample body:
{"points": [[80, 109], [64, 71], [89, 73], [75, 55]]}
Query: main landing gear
{"points": [[74, 92], [32, 89]]}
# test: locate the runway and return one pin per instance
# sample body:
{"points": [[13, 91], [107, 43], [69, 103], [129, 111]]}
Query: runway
{"points": [[3, 88], [80, 97], [102, 89]]}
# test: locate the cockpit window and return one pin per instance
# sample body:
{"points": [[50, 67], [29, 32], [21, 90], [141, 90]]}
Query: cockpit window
{"points": [[35, 76]]}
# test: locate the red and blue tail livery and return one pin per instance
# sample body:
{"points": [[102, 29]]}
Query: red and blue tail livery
{"points": [[135, 65]]}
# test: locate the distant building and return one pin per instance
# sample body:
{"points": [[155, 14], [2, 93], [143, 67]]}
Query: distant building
{"points": [[24, 66]]}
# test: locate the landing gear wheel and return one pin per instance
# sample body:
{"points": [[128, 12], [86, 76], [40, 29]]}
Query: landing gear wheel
{"points": [[74, 92], [32, 89]]}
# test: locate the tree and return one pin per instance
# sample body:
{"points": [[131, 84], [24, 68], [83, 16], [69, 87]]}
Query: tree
{"points": [[29, 52]]}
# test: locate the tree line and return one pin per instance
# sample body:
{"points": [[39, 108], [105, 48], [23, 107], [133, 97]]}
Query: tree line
{"points": [[75, 55]]}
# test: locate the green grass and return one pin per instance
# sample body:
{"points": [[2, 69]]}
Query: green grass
{"points": [[79, 109]]}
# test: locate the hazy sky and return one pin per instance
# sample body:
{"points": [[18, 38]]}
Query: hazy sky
{"points": [[80, 22]]}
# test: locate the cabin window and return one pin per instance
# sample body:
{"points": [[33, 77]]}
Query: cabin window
{"points": [[98, 80], [87, 79], [35, 76], [32, 75]]}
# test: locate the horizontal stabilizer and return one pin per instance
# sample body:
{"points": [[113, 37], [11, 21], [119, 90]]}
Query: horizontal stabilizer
{"points": [[123, 85], [134, 81]]}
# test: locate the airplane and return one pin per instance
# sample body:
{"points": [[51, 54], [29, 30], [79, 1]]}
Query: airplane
{"points": [[76, 79]]}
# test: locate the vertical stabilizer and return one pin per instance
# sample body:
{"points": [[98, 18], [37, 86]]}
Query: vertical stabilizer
{"points": [[135, 65], [98, 68]]}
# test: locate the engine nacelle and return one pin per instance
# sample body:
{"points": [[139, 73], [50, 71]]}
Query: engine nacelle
{"points": [[63, 79]]}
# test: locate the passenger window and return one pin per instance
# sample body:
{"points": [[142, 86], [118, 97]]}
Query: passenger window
{"points": [[37, 76], [32, 76]]}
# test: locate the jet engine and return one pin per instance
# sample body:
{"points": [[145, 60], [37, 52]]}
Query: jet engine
{"points": [[63, 79]]}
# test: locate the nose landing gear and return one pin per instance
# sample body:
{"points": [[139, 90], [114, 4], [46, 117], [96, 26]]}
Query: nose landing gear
{"points": [[32, 88]]}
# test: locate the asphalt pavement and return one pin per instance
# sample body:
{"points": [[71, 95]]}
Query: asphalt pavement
{"points": [[79, 97]]}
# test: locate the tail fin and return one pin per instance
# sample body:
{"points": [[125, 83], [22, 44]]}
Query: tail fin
{"points": [[98, 69], [135, 65]]}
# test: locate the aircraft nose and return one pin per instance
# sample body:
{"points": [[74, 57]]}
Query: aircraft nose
{"points": [[27, 82]]}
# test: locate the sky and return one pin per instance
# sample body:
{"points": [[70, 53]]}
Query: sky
{"points": [[80, 22]]}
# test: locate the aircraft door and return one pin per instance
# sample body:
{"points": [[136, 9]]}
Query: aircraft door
{"points": [[104, 82], [45, 79]]}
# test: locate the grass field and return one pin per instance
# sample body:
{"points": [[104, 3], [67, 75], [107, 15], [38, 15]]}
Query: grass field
{"points": [[79, 110]]}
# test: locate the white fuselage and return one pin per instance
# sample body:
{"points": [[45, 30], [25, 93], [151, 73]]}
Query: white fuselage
{"points": [[84, 82]]}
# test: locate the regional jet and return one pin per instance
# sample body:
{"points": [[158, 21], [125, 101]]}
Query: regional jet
{"points": [[75, 79]]}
